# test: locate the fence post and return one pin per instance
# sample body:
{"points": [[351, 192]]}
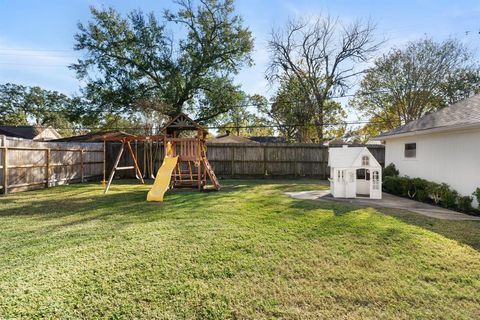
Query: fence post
{"points": [[264, 160], [233, 161], [47, 168], [81, 166], [295, 162], [5, 167]]}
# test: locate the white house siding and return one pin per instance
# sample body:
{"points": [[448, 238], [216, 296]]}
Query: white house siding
{"points": [[450, 157]]}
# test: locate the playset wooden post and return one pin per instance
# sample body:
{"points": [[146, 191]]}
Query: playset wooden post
{"points": [[125, 140], [190, 149], [187, 140]]}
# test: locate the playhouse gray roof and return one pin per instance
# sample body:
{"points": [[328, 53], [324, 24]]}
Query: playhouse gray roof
{"points": [[463, 113]]}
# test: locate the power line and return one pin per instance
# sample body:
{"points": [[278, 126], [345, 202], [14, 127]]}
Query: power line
{"points": [[224, 127], [32, 65]]}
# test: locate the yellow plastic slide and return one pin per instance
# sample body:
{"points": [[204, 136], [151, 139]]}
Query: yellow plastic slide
{"points": [[162, 180]]}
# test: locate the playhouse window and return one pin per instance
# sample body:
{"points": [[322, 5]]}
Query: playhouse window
{"points": [[375, 180], [363, 174], [410, 150], [365, 161]]}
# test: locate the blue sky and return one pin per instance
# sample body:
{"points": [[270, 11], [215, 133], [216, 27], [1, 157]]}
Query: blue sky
{"points": [[36, 37]]}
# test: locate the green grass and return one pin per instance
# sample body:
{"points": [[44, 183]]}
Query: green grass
{"points": [[245, 252]]}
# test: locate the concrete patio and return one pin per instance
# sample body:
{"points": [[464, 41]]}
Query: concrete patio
{"points": [[387, 201]]}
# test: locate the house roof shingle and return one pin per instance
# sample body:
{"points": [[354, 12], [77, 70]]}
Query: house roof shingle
{"points": [[25, 132], [462, 113], [267, 139], [230, 139]]}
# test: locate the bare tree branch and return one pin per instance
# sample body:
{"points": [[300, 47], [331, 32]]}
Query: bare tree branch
{"points": [[322, 56]]}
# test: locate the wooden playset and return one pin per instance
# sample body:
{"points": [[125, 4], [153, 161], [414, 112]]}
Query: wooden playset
{"points": [[187, 139], [185, 162], [125, 139]]}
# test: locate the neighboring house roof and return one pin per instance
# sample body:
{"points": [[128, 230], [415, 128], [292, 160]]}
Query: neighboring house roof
{"points": [[337, 142], [98, 136], [463, 114], [268, 139], [346, 157], [30, 132], [230, 139]]}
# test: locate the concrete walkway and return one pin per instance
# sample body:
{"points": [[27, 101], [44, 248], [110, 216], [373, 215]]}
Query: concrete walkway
{"points": [[387, 201]]}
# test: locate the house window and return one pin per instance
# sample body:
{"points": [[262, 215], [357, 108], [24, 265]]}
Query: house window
{"points": [[410, 150], [375, 180], [365, 161]]}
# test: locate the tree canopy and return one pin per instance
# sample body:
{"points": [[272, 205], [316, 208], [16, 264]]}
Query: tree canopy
{"points": [[242, 118], [132, 63], [23, 105], [406, 83], [313, 61]]}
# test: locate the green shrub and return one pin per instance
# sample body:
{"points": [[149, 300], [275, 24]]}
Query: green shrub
{"points": [[422, 195], [422, 190], [390, 171], [435, 192], [395, 185], [404, 185], [476, 194], [448, 198], [415, 188], [418, 189], [465, 203]]}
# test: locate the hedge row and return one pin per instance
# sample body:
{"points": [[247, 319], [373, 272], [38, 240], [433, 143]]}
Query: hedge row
{"points": [[440, 194]]}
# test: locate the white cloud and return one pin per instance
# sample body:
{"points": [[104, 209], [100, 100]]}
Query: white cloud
{"points": [[28, 65]]}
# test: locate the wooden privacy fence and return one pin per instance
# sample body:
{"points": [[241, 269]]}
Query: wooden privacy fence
{"points": [[277, 160], [260, 160], [26, 164]]}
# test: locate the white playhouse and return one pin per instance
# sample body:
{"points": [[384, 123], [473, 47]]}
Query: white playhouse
{"points": [[354, 172]]}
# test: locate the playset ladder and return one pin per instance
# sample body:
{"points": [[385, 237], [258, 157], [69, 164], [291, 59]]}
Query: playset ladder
{"points": [[211, 174]]}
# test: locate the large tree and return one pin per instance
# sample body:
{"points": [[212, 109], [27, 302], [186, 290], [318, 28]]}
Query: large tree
{"points": [[322, 57], [23, 105], [134, 63], [242, 120], [291, 113], [406, 83]]}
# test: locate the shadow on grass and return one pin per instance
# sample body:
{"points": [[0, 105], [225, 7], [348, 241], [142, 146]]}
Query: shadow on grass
{"points": [[466, 232], [81, 199], [84, 203]]}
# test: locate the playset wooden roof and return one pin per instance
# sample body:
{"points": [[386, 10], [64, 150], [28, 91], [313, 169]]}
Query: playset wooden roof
{"points": [[182, 122], [110, 136]]}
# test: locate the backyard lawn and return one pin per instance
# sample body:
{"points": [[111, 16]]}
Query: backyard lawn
{"points": [[247, 251]]}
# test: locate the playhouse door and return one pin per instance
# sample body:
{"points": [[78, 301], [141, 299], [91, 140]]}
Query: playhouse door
{"points": [[340, 186], [376, 185], [350, 185]]}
